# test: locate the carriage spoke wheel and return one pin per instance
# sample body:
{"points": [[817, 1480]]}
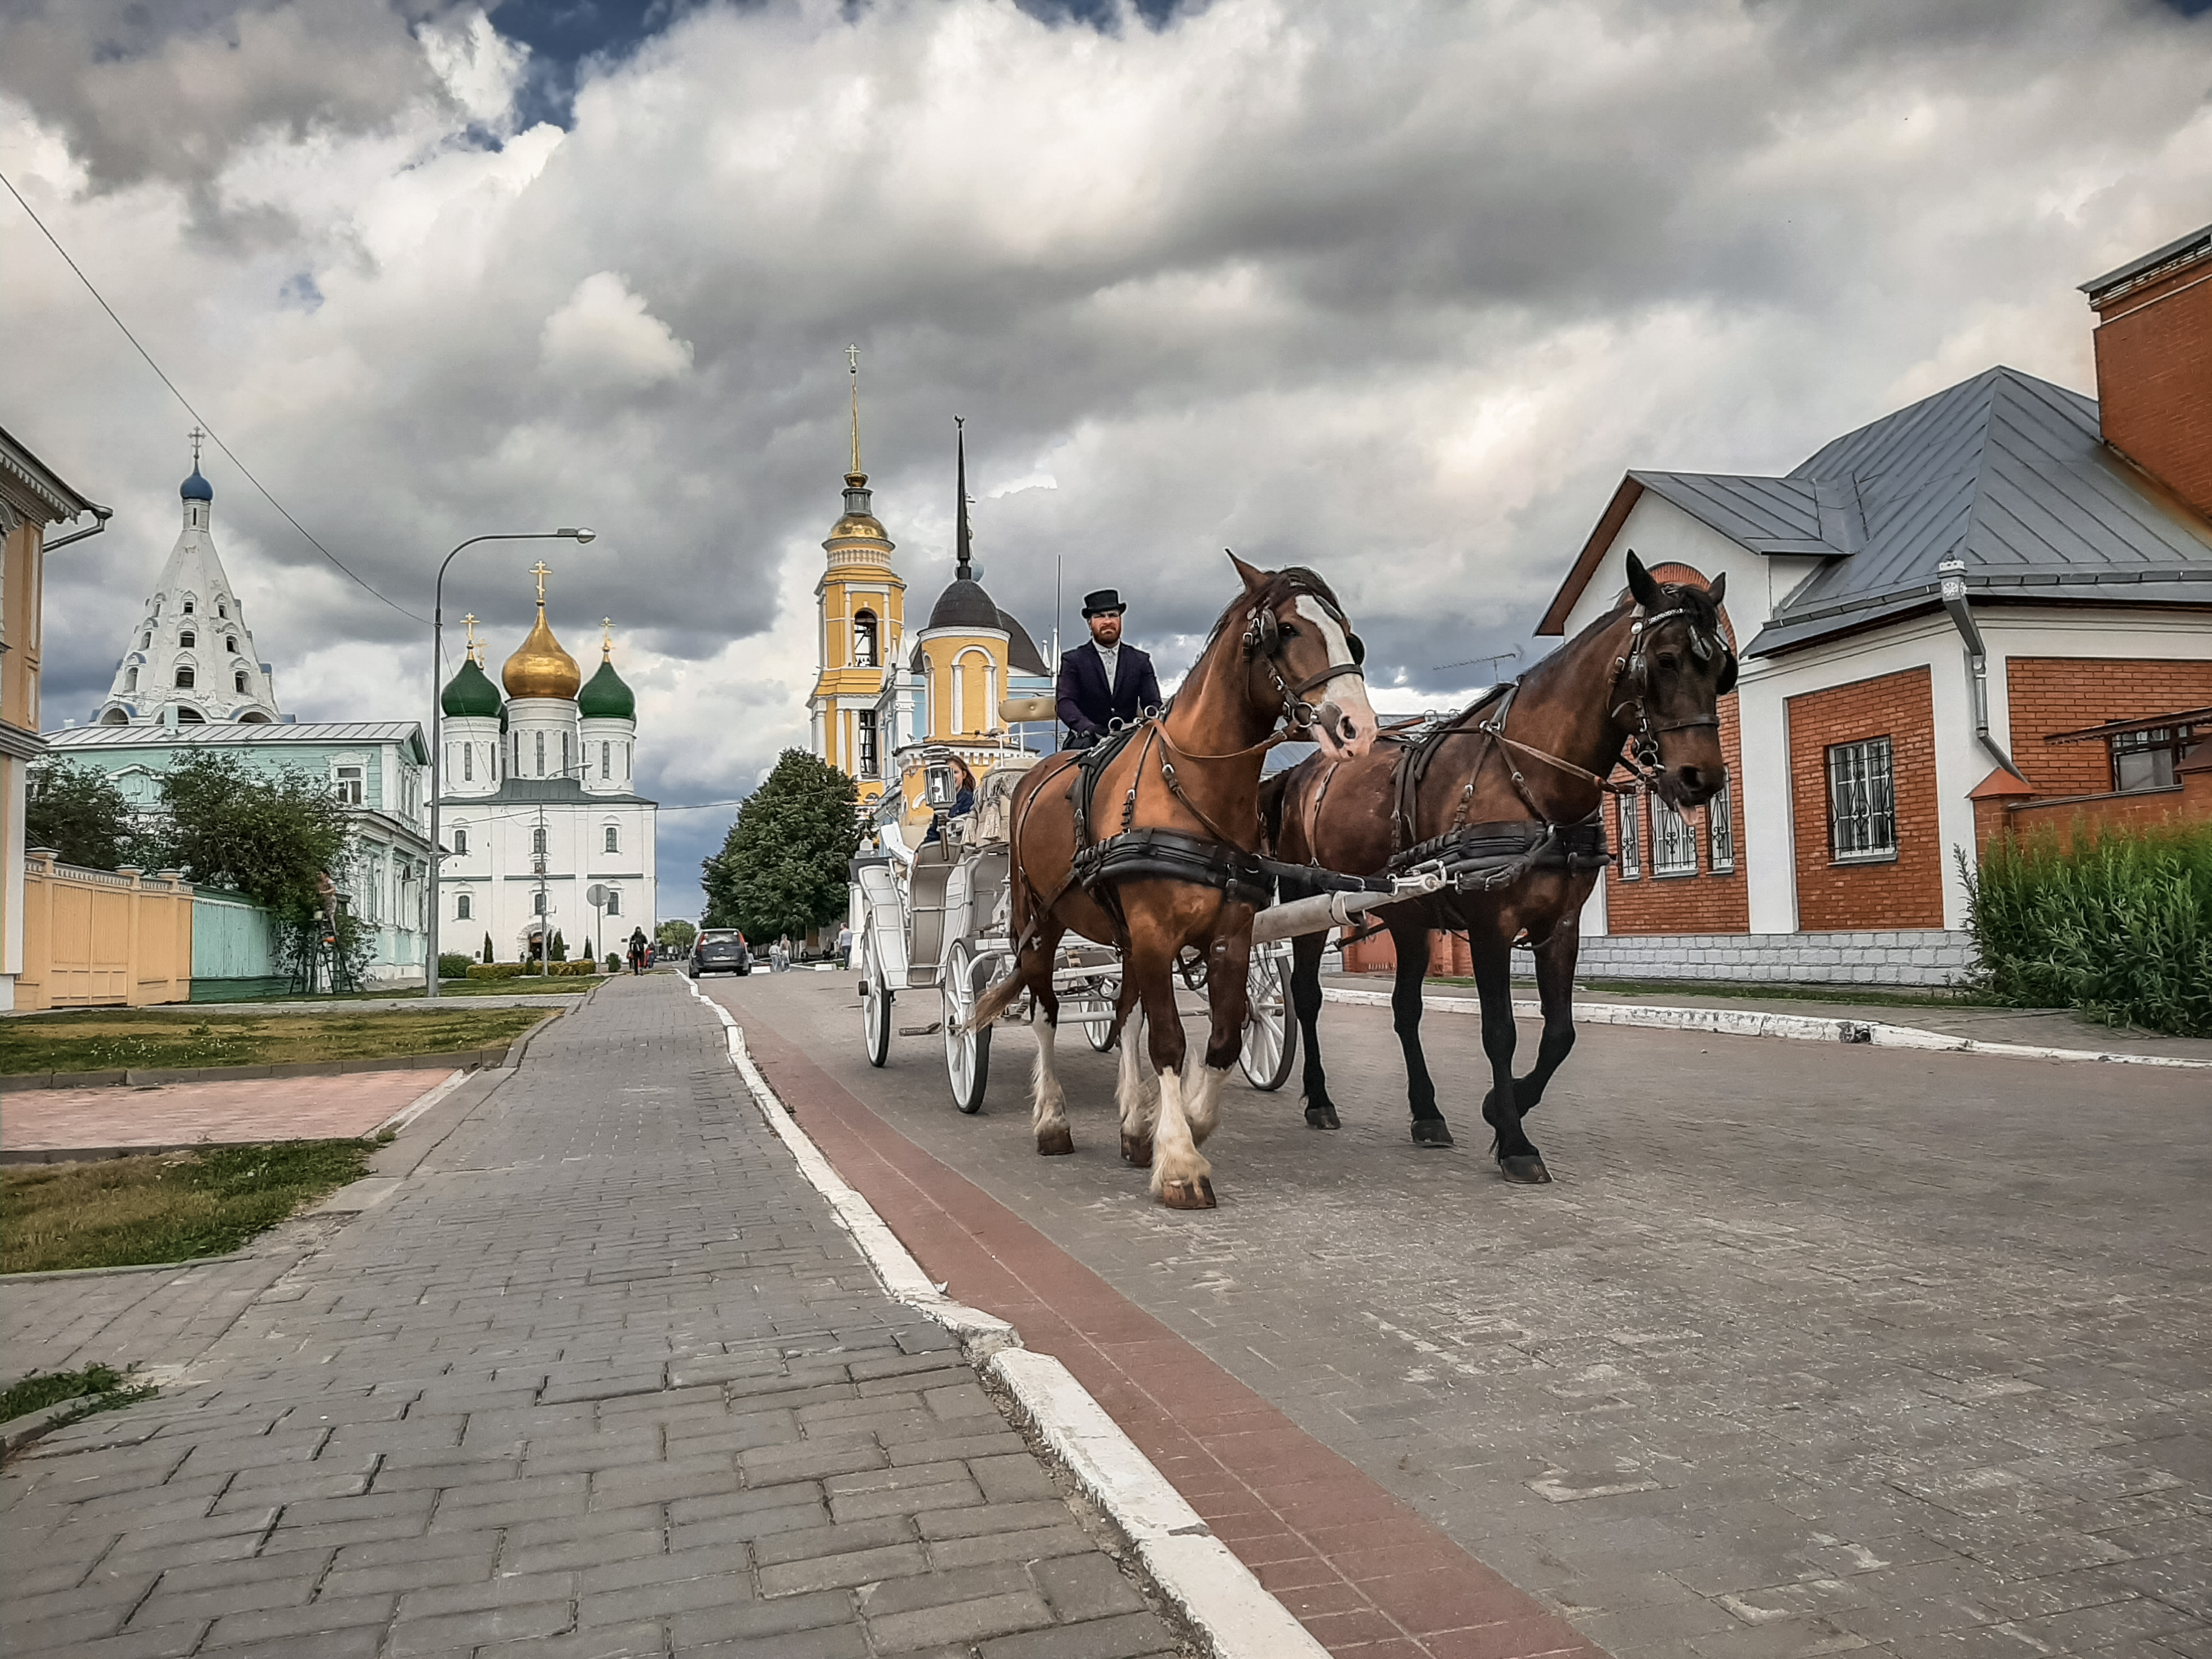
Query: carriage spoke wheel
{"points": [[875, 1010], [1099, 1032], [967, 1053], [1271, 1041]]}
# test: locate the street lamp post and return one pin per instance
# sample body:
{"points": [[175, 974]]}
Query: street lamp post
{"points": [[437, 709]]}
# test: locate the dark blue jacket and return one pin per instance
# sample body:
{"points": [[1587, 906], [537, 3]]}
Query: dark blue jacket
{"points": [[1085, 703]]}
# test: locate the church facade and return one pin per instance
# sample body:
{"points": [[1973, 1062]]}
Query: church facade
{"points": [[892, 708], [539, 807]]}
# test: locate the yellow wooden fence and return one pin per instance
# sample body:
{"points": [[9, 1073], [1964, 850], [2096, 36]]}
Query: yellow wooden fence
{"points": [[96, 937]]}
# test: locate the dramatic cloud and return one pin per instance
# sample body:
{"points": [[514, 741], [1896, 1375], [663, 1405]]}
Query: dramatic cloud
{"points": [[1396, 290]]}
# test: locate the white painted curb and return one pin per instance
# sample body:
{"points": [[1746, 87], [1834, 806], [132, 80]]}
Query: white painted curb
{"points": [[1226, 1608], [406, 1114], [1804, 1027]]}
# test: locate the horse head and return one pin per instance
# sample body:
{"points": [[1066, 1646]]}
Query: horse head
{"points": [[1679, 667], [1297, 645]]}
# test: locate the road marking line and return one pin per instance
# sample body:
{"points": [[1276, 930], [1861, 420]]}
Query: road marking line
{"points": [[1226, 1607], [1803, 1028]]}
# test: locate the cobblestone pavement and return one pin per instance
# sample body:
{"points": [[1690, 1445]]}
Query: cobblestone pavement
{"points": [[1809, 1349], [603, 1378], [232, 1110]]}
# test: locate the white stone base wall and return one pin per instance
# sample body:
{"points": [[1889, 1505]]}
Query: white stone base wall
{"points": [[1914, 956]]}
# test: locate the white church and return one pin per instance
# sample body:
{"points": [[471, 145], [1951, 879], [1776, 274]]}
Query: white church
{"points": [[538, 806]]}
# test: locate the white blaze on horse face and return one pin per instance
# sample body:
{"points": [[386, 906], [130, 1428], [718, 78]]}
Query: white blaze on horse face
{"points": [[1347, 691]]}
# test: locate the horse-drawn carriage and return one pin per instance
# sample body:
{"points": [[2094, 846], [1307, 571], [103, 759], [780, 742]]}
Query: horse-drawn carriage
{"points": [[935, 920]]}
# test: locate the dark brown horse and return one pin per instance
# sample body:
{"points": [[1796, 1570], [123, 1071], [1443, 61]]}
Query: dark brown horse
{"points": [[1510, 789], [1149, 848]]}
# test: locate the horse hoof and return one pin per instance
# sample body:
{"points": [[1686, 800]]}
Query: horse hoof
{"points": [[1136, 1151], [1186, 1194], [1433, 1131], [1321, 1117], [1055, 1143], [1527, 1169]]}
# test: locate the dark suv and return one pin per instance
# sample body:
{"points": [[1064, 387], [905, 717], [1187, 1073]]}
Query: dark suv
{"points": [[719, 950]]}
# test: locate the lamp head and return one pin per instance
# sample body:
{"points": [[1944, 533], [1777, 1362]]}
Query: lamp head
{"points": [[578, 535]]}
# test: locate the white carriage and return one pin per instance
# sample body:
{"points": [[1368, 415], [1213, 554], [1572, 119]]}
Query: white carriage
{"points": [[935, 921]]}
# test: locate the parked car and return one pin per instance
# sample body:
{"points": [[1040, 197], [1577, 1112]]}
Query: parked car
{"points": [[719, 950]]}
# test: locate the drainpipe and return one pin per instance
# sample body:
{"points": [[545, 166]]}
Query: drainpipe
{"points": [[1953, 575]]}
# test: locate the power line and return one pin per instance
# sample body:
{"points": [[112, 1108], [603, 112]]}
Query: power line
{"points": [[243, 470]]}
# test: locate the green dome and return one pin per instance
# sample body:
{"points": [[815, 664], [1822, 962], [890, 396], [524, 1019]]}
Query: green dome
{"points": [[604, 697], [470, 692]]}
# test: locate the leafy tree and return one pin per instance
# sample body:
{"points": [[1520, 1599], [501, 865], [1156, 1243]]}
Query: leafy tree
{"points": [[677, 936], [268, 837], [786, 865], [79, 812]]}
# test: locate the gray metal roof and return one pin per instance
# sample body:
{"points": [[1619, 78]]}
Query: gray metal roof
{"points": [[2180, 249], [227, 733], [2008, 473]]}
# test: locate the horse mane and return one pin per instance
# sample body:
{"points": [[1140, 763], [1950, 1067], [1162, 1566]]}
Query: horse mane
{"points": [[1288, 583], [1705, 616]]}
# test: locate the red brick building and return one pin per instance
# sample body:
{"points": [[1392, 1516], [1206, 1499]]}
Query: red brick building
{"points": [[1992, 609]]}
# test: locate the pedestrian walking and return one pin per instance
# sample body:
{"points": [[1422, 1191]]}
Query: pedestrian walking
{"points": [[640, 950], [779, 955], [845, 947]]}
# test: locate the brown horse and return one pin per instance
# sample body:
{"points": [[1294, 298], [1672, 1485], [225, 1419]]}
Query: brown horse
{"points": [[1150, 848], [1651, 672]]}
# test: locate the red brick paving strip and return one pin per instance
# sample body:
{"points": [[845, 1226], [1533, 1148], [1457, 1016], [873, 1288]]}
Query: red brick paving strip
{"points": [[239, 1109], [1360, 1569]]}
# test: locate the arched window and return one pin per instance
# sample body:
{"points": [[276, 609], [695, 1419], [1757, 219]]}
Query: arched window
{"points": [[145, 641], [253, 717], [191, 717], [130, 679], [538, 904], [184, 676], [222, 609], [115, 717], [606, 760], [190, 606], [463, 909], [614, 839], [568, 764], [614, 901], [538, 842], [239, 678], [864, 638], [188, 639], [230, 643], [541, 754], [468, 763], [460, 839]]}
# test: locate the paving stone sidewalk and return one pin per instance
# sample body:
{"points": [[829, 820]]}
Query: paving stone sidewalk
{"points": [[604, 1378]]}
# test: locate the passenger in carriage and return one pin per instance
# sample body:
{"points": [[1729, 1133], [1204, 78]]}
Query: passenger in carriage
{"points": [[1104, 681], [963, 800]]}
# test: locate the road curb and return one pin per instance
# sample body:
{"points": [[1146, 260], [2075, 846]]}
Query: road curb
{"points": [[1802, 1028], [1224, 1605]]}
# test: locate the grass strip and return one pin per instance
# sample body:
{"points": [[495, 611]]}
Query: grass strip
{"points": [[102, 1387], [108, 1039], [133, 1212]]}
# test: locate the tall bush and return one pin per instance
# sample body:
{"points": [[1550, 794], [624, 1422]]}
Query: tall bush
{"points": [[2119, 925]]}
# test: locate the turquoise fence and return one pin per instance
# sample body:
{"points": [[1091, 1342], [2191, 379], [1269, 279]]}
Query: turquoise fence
{"points": [[232, 938]]}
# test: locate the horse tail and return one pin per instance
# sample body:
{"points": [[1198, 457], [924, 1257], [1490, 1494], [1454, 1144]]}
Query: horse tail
{"points": [[996, 1000]]}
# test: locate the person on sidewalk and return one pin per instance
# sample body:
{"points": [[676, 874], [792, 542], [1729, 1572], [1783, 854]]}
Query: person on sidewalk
{"points": [[640, 950], [845, 947]]}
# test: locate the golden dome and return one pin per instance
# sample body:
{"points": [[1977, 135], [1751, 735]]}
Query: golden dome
{"points": [[540, 667], [858, 524]]}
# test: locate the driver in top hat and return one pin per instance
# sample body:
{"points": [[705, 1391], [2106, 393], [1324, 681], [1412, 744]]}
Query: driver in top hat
{"points": [[1105, 680]]}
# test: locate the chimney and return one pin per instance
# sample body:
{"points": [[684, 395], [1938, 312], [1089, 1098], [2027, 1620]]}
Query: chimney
{"points": [[2154, 363]]}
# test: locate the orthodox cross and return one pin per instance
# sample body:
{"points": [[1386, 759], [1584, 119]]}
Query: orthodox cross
{"points": [[607, 636], [197, 435], [541, 570], [852, 358], [471, 621]]}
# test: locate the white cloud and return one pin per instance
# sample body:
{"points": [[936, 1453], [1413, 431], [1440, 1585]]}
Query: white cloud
{"points": [[1397, 290]]}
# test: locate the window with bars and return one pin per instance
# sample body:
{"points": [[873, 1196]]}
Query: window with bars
{"points": [[1720, 824], [866, 729], [1673, 843], [460, 840], [1862, 802], [614, 839], [1631, 840], [2148, 759], [464, 908]]}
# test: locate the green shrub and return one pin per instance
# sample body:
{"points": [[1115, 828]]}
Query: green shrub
{"points": [[2118, 926], [570, 969], [454, 964], [614, 962], [496, 970]]}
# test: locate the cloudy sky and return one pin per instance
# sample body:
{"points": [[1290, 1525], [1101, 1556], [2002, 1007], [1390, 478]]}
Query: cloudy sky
{"points": [[1396, 289]]}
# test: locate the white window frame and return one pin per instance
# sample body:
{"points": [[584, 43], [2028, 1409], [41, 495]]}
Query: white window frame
{"points": [[614, 902], [1862, 778], [460, 840], [463, 904], [1673, 841], [1720, 828], [350, 791], [612, 838], [1631, 820]]}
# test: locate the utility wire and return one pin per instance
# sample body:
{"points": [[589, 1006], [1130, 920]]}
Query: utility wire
{"points": [[243, 470]]}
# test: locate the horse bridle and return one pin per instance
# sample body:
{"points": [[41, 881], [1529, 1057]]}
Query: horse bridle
{"points": [[1633, 669], [1263, 638]]}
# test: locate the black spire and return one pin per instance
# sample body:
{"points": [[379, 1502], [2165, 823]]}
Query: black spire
{"points": [[964, 547]]}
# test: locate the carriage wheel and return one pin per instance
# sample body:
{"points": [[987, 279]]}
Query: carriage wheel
{"points": [[875, 1015], [1271, 1041], [1099, 1032], [967, 1053]]}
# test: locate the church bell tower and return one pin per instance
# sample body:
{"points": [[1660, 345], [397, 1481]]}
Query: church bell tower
{"points": [[861, 612]]}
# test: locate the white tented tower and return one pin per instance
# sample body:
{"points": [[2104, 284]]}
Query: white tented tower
{"points": [[191, 658]]}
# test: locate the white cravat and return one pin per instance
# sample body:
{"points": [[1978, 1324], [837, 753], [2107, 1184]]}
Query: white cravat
{"points": [[1111, 656]]}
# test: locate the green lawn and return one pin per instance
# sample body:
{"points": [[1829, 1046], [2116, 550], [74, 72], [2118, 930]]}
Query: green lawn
{"points": [[126, 1212], [105, 1039], [101, 1388]]}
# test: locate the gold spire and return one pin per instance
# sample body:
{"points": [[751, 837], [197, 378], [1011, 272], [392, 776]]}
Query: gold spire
{"points": [[474, 651], [540, 667], [854, 477], [607, 638]]}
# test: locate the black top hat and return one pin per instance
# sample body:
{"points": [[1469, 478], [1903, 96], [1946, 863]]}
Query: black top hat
{"points": [[1105, 600]]}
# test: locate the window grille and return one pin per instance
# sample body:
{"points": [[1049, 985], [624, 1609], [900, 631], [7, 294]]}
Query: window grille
{"points": [[1862, 801], [614, 839], [568, 760], [1673, 843], [607, 759], [468, 763], [541, 754], [462, 910], [868, 736], [460, 840], [1720, 822], [1632, 850], [538, 842]]}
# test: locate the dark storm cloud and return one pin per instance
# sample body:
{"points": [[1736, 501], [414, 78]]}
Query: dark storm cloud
{"points": [[1398, 293]]}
